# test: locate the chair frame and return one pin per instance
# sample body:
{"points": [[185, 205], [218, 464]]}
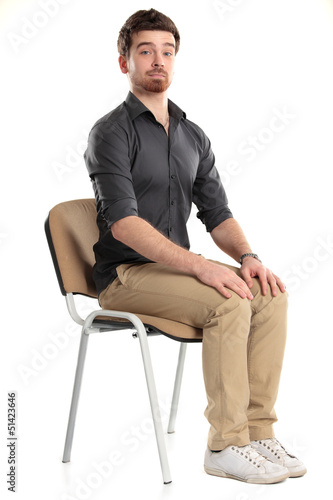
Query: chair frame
{"points": [[91, 324]]}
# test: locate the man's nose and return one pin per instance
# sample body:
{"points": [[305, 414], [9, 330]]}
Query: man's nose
{"points": [[158, 61]]}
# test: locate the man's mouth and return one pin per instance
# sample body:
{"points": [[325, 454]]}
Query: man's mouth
{"points": [[158, 75]]}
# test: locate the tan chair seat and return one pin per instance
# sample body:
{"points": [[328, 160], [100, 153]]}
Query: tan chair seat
{"points": [[170, 328]]}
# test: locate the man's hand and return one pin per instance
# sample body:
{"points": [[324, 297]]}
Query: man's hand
{"points": [[221, 278], [252, 267]]}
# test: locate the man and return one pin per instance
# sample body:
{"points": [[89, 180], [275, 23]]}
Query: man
{"points": [[147, 163]]}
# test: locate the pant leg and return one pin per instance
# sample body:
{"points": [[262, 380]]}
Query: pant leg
{"points": [[266, 347], [224, 361], [265, 352]]}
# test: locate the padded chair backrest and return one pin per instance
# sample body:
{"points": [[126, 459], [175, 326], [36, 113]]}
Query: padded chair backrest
{"points": [[71, 231]]}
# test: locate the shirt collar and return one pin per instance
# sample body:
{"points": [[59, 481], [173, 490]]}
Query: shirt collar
{"points": [[135, 108]]}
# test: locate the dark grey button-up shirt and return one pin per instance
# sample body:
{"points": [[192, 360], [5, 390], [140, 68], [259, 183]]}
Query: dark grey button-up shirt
{"points": [[137, 169]]}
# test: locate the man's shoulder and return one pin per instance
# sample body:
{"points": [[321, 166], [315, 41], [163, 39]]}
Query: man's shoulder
{"points": [[193, 126], [117, 116], [196, 132]]}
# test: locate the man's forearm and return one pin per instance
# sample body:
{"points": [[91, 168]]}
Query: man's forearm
{"points": [[230, 238], [149, 242]]}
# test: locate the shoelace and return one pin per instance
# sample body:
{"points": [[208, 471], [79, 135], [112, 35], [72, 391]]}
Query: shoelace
{"points": [[250, 454], [274, 446]]}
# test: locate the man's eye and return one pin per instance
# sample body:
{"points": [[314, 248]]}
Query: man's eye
{"points": [[145, 52], [168, 53]]}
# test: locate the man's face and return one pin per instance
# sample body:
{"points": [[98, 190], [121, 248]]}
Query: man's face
{"points": [[150, 63]]}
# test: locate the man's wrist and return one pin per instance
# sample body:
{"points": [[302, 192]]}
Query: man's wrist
{"points": [[195, 262], [249, 254]]}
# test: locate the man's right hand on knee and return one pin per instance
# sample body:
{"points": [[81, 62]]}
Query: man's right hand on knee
{"points": [[223, 279]]}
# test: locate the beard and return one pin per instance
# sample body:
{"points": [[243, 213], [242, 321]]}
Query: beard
{"points": [[156, 85]]}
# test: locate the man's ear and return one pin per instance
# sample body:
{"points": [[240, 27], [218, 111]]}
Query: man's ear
{"points": [[123, 64]]}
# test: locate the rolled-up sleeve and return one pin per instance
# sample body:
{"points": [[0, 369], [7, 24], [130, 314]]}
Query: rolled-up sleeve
{"points": [[109, 166], [208, 192]]}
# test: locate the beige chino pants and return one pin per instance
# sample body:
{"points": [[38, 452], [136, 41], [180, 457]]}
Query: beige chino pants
{"points": [[242, 349]]}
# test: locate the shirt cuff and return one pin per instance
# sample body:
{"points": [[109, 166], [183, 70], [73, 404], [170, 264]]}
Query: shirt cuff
{"points": [[119, 210]]}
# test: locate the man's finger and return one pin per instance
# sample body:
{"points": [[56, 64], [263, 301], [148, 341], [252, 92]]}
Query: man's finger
{"points": [[235, 288], [262, 275], [223, 291], [280, 284], [241, 288], [272, 283], [247, 278]]}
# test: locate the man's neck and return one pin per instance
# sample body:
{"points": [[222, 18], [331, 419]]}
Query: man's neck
{"points": [[157, 103]]}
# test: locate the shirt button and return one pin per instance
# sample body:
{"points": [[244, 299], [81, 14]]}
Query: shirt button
{"points": [[172, 203], [173, 177]]}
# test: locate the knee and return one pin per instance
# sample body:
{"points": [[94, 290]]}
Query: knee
{"points": [[269, 308], [233, 322], [281, 297], [241, 307]]}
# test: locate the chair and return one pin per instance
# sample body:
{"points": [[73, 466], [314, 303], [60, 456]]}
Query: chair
{"points": [[71, 232]]}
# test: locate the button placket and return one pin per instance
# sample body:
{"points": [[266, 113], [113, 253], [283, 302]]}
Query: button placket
{"points": [[172, 196]]}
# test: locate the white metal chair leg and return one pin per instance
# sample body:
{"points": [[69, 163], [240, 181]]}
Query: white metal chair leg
{"points": [[75, 396], [155, 409], [176, 390]]}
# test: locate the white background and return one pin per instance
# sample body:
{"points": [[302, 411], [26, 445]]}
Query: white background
{"points": [[239, 64]]}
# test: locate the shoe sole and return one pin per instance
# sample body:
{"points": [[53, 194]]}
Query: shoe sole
{"points": [[298, 474], [272, 480]]}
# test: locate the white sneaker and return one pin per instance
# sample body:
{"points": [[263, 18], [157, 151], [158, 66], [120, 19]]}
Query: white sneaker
{"points": [[245, 464], [274, 451]]}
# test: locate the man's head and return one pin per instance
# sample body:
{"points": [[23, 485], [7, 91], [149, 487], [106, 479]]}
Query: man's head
{"points": [[145, 20], [148, 43]]}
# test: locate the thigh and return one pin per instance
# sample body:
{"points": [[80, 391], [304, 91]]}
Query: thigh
{"points": [[159, 290]]}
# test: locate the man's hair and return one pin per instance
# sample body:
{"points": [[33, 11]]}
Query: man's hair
{"points": [[142, 20]]}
